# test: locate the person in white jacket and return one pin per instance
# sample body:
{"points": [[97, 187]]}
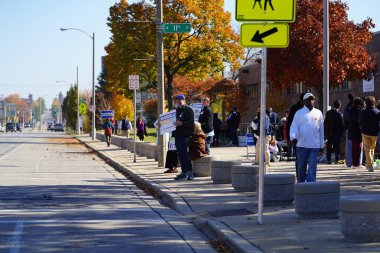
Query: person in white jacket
{"points": [[307, 133]]}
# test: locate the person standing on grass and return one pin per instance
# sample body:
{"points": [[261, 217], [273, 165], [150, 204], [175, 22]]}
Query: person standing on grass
{"points": [[307, 133], [141, 128]]}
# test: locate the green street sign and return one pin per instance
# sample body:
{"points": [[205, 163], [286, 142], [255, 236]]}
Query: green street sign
{"points": [[268, 10], [176, 28], [264, 35], [82, 108]]}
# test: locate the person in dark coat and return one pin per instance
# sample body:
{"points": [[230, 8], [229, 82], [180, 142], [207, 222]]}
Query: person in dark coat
{"points": [[334, 128], [217, 124], [292, 112], [369, 124], [354, 131], [346, 115], [171, 162], [141, 128], [206, 121], [184, 130], [197, 143], [233, 122]]}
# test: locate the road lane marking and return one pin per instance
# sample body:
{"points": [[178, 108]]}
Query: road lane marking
{"points": [[16, 238], [9, 152]]}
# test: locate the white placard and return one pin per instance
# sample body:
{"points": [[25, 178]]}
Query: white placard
{"points": [[167, 121], [197, 108], [134, 82], [369, 86]]}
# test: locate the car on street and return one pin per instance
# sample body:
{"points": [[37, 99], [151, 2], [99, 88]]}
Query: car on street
{"points": [[58, 127], [11, 127], [26, 124], [2, 128]]}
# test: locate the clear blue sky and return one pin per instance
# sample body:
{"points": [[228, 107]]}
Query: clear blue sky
{"points": [[34, 53]]}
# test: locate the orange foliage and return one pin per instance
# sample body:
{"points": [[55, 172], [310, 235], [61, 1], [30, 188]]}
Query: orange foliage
{"points": [[302, 61]]}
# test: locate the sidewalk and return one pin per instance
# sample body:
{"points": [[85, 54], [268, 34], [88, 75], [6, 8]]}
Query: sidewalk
{"points": [[232, 216]]}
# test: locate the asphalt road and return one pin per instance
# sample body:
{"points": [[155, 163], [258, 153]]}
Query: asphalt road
{"points": [[57, 196]]}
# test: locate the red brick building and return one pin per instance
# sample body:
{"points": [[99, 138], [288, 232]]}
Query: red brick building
{"points": [[282, 99]]}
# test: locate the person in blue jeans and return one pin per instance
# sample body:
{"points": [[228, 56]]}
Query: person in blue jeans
{"points": [[184, 130], [307, 133]]}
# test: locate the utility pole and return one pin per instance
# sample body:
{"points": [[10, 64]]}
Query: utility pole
{"points": [[160, 82], [326, 56]]}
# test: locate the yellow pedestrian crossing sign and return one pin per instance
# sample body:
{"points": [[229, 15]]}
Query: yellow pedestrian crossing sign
{"points": [[264, 35], [266, 10], [82, 108]]}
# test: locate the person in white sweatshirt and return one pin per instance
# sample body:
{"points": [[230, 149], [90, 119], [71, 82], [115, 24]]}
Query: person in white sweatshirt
{"points": [[307, 133]]}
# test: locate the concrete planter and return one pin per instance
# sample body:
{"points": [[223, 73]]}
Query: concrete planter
{"points": [[317, 199], [116, 140], [151, 151], [360, 218], [202, 166], [221, 171], [278, 189], [124, 142], [244, 177]]}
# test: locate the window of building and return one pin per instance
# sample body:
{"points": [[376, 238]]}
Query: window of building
{"points": [[345, 85], [253, 90], [245, 71]]}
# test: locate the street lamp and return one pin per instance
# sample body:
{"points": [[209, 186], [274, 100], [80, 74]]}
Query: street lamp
{"points": [[93, 74]]}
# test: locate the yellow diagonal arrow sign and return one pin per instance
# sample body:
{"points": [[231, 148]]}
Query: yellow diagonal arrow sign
{"points": [[268, 35]]}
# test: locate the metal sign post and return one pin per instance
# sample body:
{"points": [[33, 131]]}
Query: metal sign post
{"points": [[262, 134], [134, 84], [270, 33]]}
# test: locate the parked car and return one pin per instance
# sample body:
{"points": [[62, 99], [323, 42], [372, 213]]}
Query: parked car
{"points": [[58, 127], [11, 127], [26, 124]]}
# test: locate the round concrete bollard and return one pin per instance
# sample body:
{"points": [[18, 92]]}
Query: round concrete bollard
{"points": [[202, 166], [317, 199], [244, 177], [360, 218], [149, 150], [221, 171], [278, 189]]}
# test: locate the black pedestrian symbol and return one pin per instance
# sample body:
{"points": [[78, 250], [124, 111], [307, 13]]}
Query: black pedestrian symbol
{"points": [[259, 2], [270, 4]]}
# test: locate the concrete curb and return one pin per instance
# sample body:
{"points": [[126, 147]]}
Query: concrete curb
{"points": [[214, 229]]}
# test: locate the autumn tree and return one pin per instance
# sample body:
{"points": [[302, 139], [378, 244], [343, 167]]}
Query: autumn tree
{"points": [[302, 61], [122, 106], [38, 108], [198, 55], [70, 108]]}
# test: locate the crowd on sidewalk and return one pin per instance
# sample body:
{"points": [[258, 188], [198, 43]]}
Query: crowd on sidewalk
{"points": [[305, 135]]}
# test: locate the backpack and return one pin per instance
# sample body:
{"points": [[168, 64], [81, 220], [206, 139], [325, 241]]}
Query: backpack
{"points": [[108, 131]]}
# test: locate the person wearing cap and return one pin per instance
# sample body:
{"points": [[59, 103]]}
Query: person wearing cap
{"points": [[307, 133], [184, 130]]}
